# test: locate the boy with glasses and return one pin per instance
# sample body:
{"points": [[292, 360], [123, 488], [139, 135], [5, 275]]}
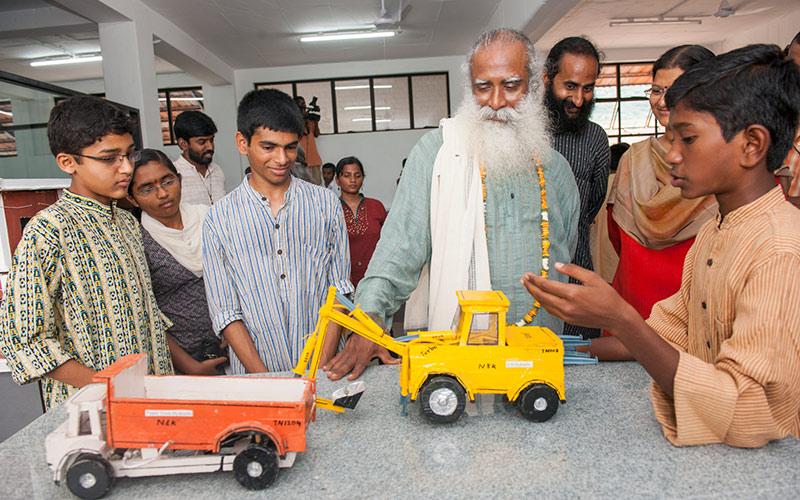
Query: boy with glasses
{"points": [[79, 296]]}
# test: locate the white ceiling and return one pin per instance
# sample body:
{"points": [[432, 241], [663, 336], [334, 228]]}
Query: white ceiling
{"points": [[592, 17], [265, 33]]}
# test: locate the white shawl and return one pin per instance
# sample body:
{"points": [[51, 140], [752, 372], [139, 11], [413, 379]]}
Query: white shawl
{"points": [[459, 252], [185, 245]]}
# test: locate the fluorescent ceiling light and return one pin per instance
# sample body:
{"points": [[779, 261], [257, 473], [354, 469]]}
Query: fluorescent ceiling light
{"points": [[362, 119], [353, 35], [377, 108], [6, 113], [354, 87], [181, 98], [66, 60], [640, 21], [383, 121]]}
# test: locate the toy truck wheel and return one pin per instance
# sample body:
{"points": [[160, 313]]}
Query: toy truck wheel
{"points": [[90, 476], [256, 467], [538, 402], [443, 400]]}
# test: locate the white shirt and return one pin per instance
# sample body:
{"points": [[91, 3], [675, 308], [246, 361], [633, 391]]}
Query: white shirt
{"points": [[333, 186], [197, 189]]}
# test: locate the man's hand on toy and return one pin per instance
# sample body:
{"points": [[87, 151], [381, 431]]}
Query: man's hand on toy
{"points": [[593, 304], [208, 366], [353, 359]]}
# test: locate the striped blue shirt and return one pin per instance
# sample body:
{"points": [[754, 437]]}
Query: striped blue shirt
{"points": [[273, 273]]}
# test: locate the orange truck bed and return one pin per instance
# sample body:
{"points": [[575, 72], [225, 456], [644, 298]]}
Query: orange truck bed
{"points": [[199, 413]]}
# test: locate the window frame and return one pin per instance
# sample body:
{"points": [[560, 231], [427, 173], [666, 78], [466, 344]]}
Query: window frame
{"points": [[618, 100], [170, 119], [371, 79]]}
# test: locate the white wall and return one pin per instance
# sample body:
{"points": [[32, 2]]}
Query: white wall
{"points": [[779, 32], [380, 152]]}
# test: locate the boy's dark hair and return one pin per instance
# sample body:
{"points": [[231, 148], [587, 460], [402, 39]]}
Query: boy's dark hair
{"points": [[80, 121], [329, 165], [577, 45], [743, 87], [271, 109], [617, 150], [348, 160], [683, 57], [193, 124], [149, 155]]}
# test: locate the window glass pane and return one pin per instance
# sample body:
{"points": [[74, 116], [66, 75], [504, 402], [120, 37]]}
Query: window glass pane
{"points": [[483, 330], [184, 100], [286, 88], [8, 145], [606, 85], [351, 97], [430, 99], [634, 78], [322, 91], [391, 103], [636, 117], [605, 115]]}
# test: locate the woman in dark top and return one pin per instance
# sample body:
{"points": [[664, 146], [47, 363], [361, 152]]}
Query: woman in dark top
{"points": [[172, 235], [364, 216]]}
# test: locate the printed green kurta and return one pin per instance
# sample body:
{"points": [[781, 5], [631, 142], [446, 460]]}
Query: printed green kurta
{"points": [[80, 289]]}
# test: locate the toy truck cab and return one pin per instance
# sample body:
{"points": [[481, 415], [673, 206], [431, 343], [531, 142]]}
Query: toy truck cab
{"points": [[486, 355]]}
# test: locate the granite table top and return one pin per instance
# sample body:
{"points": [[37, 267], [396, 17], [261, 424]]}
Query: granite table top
{"points": [[603, 443]]}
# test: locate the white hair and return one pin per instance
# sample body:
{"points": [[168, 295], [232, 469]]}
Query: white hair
{"points": [[508, 140]]}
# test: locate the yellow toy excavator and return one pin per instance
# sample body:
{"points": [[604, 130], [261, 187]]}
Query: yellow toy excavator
{"points": [[482, 354]]}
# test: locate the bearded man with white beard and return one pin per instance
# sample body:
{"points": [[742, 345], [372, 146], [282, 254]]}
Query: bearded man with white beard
{"points": [[482, 200]]}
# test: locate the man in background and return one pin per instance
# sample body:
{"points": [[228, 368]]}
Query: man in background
{"points": [[308, 142], [571, 70], [202, 180]]}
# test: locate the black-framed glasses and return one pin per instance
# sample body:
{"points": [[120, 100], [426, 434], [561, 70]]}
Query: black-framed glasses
{"points": [[655, 91], [152, 189], [114, 160]]}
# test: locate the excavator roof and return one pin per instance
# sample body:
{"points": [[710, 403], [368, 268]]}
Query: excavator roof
{"points": [[489, 298]]}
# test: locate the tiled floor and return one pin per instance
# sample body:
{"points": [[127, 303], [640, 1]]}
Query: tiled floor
{"points": [[19, 405]]}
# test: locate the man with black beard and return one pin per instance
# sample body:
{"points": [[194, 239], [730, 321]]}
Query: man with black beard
{"points": [[471, 211], [202, 180], [570, 73]]}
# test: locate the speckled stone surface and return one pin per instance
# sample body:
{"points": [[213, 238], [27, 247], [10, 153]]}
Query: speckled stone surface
{"points": [[603, 443]]}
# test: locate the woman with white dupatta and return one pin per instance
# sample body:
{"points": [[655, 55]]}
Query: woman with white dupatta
{"points": [[172, 236]]}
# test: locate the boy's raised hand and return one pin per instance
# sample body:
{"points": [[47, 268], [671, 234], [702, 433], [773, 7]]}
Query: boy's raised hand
{"points": [[595, 304]]}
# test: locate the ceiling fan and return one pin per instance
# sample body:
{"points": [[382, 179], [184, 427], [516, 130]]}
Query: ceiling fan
{"points": [[726, 10], [385, 21]]}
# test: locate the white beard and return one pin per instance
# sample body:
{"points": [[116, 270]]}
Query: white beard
{"points": [[509, 145]]}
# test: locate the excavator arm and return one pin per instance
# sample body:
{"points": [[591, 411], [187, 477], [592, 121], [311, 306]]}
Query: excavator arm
{"points": [[342, 311]]}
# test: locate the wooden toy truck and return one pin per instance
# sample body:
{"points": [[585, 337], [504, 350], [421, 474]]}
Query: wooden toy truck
{"points": [[130, 424], [481, 355]]}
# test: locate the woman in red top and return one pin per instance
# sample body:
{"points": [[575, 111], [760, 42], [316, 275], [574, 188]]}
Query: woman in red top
{"points": [[364, 216], [650, 224]]}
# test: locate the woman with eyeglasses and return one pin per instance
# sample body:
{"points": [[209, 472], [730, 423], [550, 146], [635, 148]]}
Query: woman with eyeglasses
{"points": [[649, 223], [172, 235]]}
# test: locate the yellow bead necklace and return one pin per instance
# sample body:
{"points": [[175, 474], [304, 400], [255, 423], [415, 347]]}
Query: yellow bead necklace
{"points": [[545, 233]]}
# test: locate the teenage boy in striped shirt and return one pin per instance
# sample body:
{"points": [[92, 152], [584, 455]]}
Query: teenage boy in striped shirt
{"points": [[272, 246], [724, 351]]}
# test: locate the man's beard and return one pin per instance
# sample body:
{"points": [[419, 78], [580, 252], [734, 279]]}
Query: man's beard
{"points": [[200, 159], [562, 122], [508, 146]]}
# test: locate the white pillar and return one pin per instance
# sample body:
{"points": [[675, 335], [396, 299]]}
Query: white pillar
{"points": [[130, 75]]}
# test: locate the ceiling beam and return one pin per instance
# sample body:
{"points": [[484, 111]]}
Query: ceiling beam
{"points": [[183, 51], [43, 21], [546, 17]]}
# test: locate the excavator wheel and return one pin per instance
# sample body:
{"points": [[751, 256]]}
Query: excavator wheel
{"points": [[442, 400], [538, 402]]}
